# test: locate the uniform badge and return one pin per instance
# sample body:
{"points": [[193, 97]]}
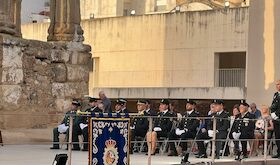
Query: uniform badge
{"points": [[110, 156]]}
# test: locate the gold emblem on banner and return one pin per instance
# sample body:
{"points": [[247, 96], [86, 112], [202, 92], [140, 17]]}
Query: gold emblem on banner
{"points": [[110, 156]]}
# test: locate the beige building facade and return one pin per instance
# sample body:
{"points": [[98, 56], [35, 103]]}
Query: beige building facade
{"points": [[175, 55], [113, 8]]}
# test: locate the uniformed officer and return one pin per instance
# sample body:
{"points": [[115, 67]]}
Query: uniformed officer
{"points": [[148, 110], [222, 126], [120, 106], [203, 133], [162, 126], [84, 120], [140, 124], [243, 128], [275, 114], [64, 127], [187, 128]]}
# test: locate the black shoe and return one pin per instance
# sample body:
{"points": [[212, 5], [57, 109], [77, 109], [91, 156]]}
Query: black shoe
{"points": [[237, 157], [245, 156], [172, 153], [54, 148], [276, 156], [217, 157], [201, 156], [84, 149]]}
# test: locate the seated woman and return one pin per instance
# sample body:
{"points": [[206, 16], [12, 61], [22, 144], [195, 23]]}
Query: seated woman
{"points": [[260, 128], [162, 126]]}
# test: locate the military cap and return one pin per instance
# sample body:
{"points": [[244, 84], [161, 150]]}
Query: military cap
{"points": [[192, 102], [164, 101], [121, 101], [244, 104], [219, 101], [92, 99], [141, 102], [76, 102]]}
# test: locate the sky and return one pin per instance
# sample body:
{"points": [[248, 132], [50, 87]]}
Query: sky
{"points": [[31, 6]]}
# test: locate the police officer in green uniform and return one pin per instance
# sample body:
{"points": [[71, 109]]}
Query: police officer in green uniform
{"points": [[63, 128]]}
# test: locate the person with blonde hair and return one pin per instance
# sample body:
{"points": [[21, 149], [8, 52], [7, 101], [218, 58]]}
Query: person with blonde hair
{"points": [[260, 128]]}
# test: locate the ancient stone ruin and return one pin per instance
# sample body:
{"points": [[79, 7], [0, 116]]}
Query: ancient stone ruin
{"points": [[41, 77]]}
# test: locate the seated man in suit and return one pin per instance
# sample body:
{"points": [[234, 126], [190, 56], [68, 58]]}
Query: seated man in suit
{"points": [[187, 128], [63, 128]]}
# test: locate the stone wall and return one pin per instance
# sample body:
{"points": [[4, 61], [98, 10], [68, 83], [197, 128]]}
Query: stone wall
{"points": [[40, 78]]}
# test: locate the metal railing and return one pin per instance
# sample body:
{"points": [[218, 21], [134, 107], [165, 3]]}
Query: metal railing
{"points": [[234, 77], [213, 140]]}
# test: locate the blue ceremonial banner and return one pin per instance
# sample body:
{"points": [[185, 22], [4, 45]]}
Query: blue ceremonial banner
{"points": [[109, 141]]}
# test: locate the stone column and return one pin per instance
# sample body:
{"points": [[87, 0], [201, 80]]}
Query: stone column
{"points": [[65, 21], [10, 17]]}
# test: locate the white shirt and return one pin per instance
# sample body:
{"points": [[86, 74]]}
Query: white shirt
{"points": [[189, 112]]}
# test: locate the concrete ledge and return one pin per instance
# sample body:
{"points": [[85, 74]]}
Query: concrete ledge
{"points": [[230, 93]]}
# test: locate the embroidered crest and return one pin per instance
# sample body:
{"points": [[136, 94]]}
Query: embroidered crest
{"points": [[110, 156]]}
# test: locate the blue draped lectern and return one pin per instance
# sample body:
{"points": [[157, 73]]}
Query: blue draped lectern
{"points": [[109, 141]]}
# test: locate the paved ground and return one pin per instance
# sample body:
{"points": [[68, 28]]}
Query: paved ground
{"points": [[42, 155]]}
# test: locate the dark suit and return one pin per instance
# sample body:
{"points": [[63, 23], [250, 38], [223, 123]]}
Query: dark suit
{"points": [[246, 126], [275, 108], [164, 122], [151, 112], [223, 124], [203, 134], [190, 124]]}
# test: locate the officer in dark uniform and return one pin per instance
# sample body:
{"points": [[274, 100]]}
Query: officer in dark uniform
{"points": [[275, 114], [187, 128], [203, 133], [140, 124], [162, 125], [120, 106], [84, 120], [148, 110], [223, 124], [64, 127], [243, 128]]}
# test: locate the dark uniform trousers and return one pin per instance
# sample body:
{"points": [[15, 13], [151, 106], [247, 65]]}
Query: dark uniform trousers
{"points": [[222, 128], [246, 126], [188, 123], [275, 108], [184, 136], [85, 130], [200, 142]]}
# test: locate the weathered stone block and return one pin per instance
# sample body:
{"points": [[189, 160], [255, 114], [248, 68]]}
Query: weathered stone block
{"points": [[58, 90], [12, 57], [77, 73], [60, 72], [12, 76], [11, 94], [60, 56]]}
